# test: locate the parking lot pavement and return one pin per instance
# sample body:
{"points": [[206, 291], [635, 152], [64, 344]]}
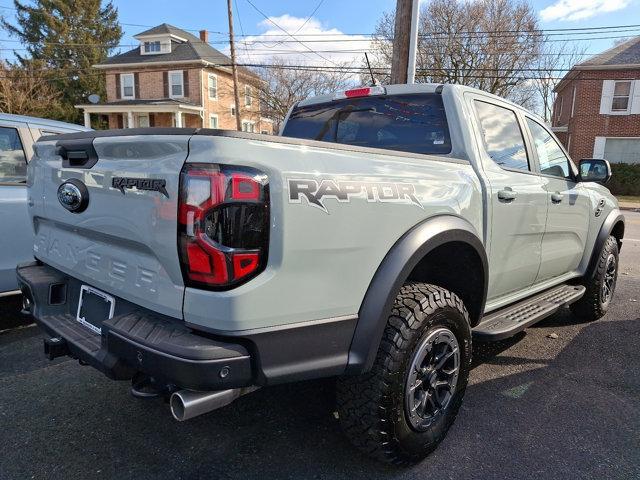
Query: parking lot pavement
{"points": [[536, 407]]}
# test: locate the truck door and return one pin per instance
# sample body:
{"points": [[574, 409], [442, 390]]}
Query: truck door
{"points": [[517, 199], [569, 207], [16, 240]]}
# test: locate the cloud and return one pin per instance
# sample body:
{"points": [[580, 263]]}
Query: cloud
{"points": [[335, 46], [572, 10]]}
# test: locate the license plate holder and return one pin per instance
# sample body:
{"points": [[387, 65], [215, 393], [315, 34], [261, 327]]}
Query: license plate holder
{"points": [[94, 307]]}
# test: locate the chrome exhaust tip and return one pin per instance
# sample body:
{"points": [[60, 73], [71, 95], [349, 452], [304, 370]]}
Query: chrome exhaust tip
{"points": [[187, 404]]}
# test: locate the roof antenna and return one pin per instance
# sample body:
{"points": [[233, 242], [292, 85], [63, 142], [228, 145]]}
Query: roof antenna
{"points": [[374, 82]]}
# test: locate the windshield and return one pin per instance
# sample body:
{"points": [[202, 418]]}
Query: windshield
{"points": [[410, 123]]}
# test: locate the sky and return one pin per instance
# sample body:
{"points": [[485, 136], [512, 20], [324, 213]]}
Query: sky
{"points": [[337, 17]]}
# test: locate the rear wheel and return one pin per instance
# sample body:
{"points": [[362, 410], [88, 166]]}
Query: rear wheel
{"points": [[401, 410], [600, 286]]}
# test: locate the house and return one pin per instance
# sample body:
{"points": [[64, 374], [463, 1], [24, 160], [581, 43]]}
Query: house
{"points": [[175, 79], [597, 108]]}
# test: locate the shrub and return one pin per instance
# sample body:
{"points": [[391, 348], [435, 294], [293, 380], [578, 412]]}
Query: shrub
{"points": [[625, 180]]}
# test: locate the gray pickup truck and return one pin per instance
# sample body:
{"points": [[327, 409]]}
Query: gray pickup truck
{"points": [[382, 231]]}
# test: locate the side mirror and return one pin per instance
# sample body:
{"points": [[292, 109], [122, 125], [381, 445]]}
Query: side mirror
{"points": [[595, 170]]}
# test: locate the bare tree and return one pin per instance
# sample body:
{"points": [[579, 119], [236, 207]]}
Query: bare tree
{"points": [[487, 44], [551, 65], [26, 91], [285, 84]]}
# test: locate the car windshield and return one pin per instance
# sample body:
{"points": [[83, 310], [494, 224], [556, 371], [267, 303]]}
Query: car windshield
{"points": [[410, 123]]}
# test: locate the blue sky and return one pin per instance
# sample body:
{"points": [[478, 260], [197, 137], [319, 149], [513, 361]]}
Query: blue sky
{"points": [[360, 16], [339, 16]]}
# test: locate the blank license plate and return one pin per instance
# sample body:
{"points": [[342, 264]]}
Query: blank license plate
{"points": [[94, 307]]}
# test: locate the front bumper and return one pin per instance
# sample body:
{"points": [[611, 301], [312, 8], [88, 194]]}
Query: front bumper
{"points": [[134, 340]]}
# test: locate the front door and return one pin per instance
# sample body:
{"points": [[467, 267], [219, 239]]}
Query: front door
{"points": [[16, 241], [569, 207], [517, 200]]}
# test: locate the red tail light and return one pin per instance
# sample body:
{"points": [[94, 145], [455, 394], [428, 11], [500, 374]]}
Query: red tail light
{"points": [[223, 217]]}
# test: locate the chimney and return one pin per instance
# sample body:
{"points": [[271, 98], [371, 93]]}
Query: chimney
{"points": [[204, 36]]}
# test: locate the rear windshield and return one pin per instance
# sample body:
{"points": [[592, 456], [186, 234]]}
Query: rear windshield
{"points": [[410, 123]]}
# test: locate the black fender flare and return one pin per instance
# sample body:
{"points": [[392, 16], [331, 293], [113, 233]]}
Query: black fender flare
{"points": [[613, 218], [394, 271]]}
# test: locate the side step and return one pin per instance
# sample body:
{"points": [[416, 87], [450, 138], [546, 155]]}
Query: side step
{"points": [[508, 321]]}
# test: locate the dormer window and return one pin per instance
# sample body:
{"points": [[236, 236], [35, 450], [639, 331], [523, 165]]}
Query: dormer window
{"points": [[155, 45], [152, 47]]}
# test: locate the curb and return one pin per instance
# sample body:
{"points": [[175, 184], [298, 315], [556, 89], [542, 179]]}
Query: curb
{"points": [[630, 209]]}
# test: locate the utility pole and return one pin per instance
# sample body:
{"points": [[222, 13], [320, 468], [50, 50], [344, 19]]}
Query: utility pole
{"points": [[405, 39], [234, 67]]}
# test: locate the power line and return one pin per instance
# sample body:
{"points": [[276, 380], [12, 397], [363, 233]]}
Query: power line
{"points": [[280, 28]]}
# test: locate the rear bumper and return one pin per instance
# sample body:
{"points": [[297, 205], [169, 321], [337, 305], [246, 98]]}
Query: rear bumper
{"points": [[135, 339]]}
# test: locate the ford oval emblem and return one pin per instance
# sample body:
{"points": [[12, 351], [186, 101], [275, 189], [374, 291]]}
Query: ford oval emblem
{"points": [[73, 195]]}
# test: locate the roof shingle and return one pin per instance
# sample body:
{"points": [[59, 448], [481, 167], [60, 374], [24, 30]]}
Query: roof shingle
{"points": [[193, 49], [626, 53]]}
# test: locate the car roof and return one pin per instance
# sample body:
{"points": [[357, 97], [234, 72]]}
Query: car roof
{"points": [[42, 122]]}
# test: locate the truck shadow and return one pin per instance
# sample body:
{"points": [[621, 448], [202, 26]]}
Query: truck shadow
{"points": [[575, 416]]}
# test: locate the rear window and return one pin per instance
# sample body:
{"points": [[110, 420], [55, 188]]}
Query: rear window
{"points": [[409, 123]]}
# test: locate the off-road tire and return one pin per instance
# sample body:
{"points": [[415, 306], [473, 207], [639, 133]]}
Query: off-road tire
{"points": [[592, 305], [371, 407]]}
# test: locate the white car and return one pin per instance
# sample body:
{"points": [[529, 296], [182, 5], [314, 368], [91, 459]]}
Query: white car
{"points": [[17, 136]]}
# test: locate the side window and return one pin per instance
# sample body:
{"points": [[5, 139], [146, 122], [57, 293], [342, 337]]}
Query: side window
{"points": [[13, 163], [502, 136], [552, 159]]}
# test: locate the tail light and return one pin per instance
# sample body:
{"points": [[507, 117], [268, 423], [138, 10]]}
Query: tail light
{"points": [[360, 92], [223, 217]]}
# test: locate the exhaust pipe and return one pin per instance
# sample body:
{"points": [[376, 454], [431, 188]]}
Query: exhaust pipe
{"points": [[186, 404]]}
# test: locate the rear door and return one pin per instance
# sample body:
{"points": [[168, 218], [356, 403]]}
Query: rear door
{"points": [[517, 198], [569, 206], [17, 235], [125, 241]]}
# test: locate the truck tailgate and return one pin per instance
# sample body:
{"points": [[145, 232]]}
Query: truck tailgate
{"points": [[125, 241]]}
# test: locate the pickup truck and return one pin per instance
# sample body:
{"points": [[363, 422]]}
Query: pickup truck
{"points": [[382, 231]]}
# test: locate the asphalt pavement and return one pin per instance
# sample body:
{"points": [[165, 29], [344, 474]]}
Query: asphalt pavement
{"points": [[537, 407]]}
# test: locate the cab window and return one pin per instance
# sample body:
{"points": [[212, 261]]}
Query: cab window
{"points": [[415, 123], [13, 162], [552, 159], [502, 136]]}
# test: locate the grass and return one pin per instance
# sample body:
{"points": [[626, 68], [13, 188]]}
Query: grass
{"points": [[628, 198]]}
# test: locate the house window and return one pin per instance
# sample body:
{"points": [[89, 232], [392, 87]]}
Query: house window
{"points": [[213, 121], [127, 85], [248, 126], [247, 95], [621, 150], [233, 111], [559, 108], [143, 120], [621, 94], [176, 84], [213, 87], [152, 47], [264, 132]]}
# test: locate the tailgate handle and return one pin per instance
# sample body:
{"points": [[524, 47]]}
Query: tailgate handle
{"points": [[78, 153]]}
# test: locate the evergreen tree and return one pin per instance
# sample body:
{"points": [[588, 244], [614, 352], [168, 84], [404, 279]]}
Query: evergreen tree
{"points": [[67, 37]]}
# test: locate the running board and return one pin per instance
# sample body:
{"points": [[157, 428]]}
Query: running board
{"points": [[514, 318]]}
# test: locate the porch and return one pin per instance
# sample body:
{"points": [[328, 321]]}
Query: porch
{"points": [[146, 113]]}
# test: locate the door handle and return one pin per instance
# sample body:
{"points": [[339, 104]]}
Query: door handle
{"points": [[556, 197], [507, 195]]}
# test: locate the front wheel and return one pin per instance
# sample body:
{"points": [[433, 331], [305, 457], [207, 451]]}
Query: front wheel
{"points": [[401, 410], [600, 286]]}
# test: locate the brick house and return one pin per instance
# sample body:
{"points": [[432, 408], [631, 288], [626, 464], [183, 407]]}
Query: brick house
{"points": [[175, 79], [596, 113]]}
